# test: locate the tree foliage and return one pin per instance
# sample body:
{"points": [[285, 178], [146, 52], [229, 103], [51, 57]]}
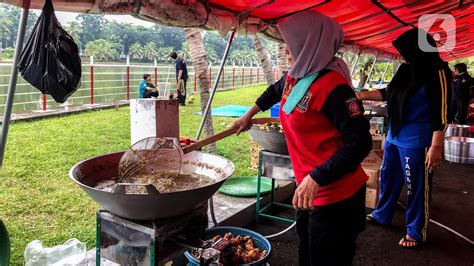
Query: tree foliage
{"points": [[101, 50], [74, 29], [7, 53], [136, 51], [93, 32], [9, 21], [92, 27]]}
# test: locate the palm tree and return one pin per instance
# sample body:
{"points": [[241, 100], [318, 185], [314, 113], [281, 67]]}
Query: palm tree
{"points": [[211, 54], [6, 23], [264, 59], [185, 52], [149, 51], [163, 53], [136, 51], [250, 56], [237, 56], [199, 58], [281, 59], [101, 49]]}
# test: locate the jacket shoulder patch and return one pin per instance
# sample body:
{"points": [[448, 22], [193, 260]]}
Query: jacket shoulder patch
{"points": [[353, 106]]}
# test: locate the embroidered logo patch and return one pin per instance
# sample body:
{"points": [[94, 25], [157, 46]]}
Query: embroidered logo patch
{"points": [[303, 104], [354, 107]]}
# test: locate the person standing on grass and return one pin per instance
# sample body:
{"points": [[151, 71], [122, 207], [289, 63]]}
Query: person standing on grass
{"points": [[147, 89], [327, 136], [417, 116], [461, 94], [181, 77]]}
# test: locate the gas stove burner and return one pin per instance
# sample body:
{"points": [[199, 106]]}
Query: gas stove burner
{"points": [[128, 242]]}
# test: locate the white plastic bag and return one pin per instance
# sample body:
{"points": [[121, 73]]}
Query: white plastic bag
{"points": [[72, 252]]}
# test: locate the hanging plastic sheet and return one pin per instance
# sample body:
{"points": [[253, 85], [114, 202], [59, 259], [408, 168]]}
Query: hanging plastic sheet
{"points": [[50, 60]]}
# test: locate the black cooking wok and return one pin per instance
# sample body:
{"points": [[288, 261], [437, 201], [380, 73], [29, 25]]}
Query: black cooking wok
{"points": [[154, 205]]}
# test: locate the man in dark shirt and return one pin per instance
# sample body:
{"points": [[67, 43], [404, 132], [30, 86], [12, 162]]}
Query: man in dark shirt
{"points": [[181, 77], [461, 94]]}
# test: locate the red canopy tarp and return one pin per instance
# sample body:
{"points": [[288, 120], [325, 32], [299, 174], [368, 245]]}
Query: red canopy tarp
{"points": [[369, 26]]}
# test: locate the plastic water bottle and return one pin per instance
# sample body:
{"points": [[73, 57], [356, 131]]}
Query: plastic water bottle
{"points": [[72, 252]]}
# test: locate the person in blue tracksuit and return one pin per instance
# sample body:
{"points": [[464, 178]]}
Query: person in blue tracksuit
{"points": [[417, 114]]}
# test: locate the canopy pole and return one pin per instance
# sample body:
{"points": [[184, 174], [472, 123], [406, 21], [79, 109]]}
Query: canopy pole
{"points": [[216, 83], [384, 73], [370, 72], [13, 79], [355, 65]]}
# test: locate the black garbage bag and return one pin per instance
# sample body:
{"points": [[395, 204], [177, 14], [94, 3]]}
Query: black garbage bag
{"points": [[50, 60]]}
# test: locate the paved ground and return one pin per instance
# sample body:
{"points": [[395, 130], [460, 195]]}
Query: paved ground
{"points": [[453, 205]]}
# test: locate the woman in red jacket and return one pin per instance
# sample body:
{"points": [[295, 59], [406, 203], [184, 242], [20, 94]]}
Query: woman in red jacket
{"points": [[327, 138]]}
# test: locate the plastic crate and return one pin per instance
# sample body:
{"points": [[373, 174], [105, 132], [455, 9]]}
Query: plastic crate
{"points": [[275, 110]]}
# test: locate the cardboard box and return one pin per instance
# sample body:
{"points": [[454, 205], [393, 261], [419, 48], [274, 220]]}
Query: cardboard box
{"points": [[371, 198], [374, 175], [378, 142], [373, 160]]}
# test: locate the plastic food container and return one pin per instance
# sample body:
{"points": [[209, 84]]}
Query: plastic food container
{"points": [[275, 110], [260, 241]]}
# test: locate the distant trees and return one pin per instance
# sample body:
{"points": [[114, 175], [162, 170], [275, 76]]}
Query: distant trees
{"points": [[9, 20], [185, 51], [7, 53], [242, 57], [92, 27], [101, 50], [135, 51], [149, 51], [74, 29], [93, 33]]}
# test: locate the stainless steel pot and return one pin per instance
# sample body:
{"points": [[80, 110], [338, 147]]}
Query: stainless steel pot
{"points": [[154, 205], [459, 150], [454, 130], [270, 140]]}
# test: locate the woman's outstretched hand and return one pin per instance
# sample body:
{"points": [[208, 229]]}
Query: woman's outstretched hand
{"points": [[245, 122]]}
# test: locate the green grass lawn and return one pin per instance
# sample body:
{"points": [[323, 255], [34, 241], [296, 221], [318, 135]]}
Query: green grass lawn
{"points": [[37, 198]]}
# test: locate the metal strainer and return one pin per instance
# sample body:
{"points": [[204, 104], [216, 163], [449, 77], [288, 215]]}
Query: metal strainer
{"points": [[150, 155]]}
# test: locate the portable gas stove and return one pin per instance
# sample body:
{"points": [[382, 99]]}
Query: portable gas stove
{"points": [[128, 242]]}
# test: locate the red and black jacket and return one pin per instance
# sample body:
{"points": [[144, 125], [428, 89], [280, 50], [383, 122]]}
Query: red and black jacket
{"points": [[327, 134]]}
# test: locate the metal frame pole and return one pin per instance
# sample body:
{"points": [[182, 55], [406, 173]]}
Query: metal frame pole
{"points": [[91, 93], [355, 65], [216, 83], [127, 78], [13, 79], [384, 73], [370, 72]]}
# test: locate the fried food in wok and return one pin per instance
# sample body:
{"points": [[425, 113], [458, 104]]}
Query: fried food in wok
{"points": [[242, 248], [163, 182]]}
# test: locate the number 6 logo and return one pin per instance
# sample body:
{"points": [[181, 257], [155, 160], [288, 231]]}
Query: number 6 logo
{"points": [[443, 29]]}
